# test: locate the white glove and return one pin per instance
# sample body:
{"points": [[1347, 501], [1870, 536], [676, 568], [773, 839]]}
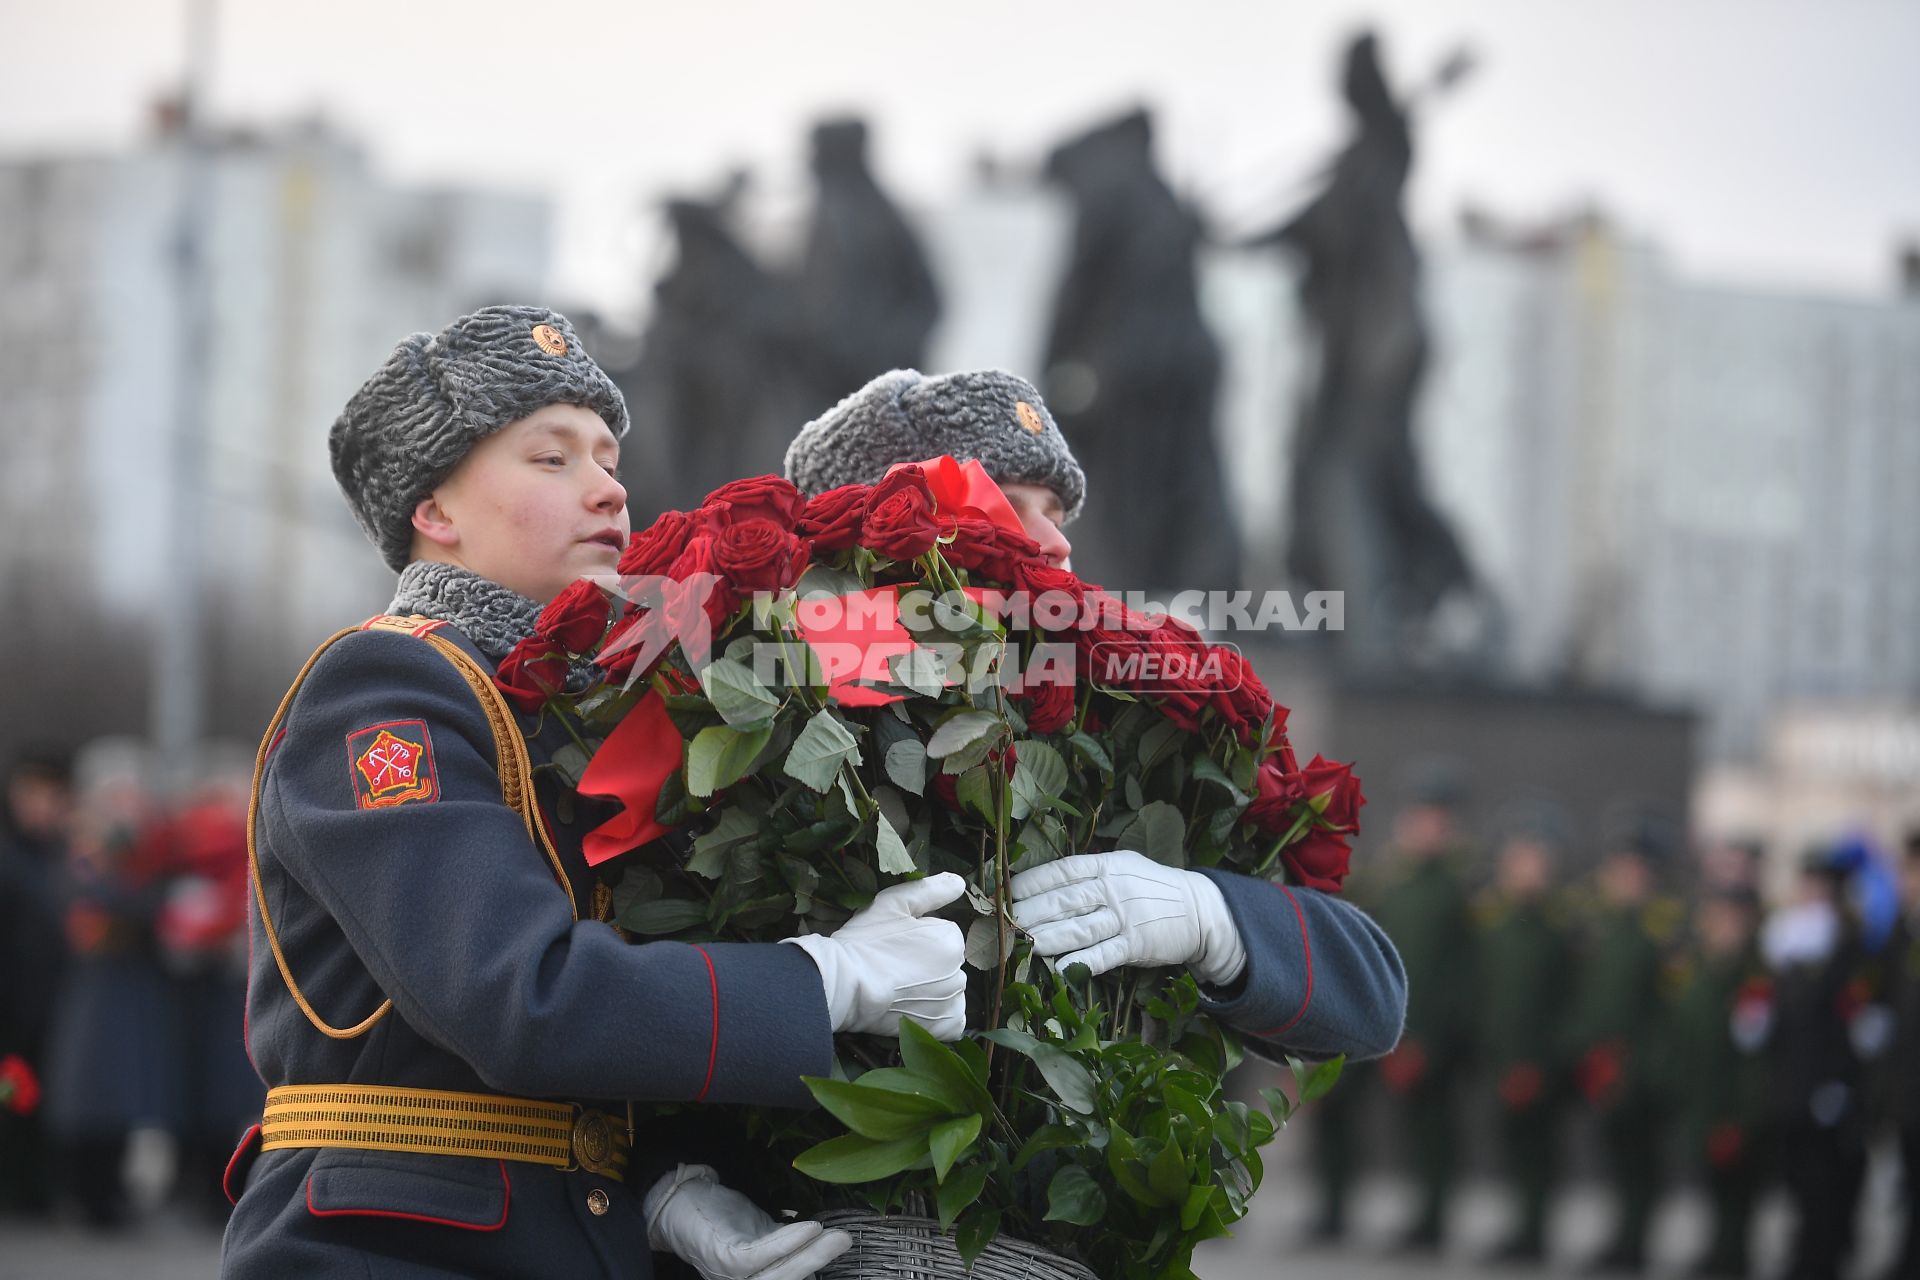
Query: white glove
{"points": [[725, 1236], [1104, 910], [887, 963]]}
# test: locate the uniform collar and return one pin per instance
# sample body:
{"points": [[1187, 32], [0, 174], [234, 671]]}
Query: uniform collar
{"points": [[494, 617]]}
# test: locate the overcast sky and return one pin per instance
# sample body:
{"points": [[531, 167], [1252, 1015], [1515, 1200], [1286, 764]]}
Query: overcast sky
{"points": [[1775, 142]]}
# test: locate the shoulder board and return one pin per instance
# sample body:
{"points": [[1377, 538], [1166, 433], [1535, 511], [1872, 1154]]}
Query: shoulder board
{"points": [[406, 624]]}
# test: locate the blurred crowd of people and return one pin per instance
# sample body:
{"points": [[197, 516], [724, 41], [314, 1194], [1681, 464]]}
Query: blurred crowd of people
{"points": [[122, 978], [1658, 1002]]}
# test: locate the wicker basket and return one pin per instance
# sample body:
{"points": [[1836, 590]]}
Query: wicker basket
{"points": [[902, 1248]]}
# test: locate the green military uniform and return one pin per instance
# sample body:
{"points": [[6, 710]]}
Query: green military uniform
{"points": [[1526, 967], [1722, 1023], [1426, 911], [1901, 1073], [1617, 1044]]}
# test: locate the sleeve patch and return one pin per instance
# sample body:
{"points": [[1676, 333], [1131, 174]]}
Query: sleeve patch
{"points": [[392, 764]]}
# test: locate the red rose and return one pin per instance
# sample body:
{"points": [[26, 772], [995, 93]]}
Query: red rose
{"points": [[1319, 860], [535, 670], [1238, 695], [652, 549], [759, 555], [757, 498], [832, 520], [19, 1090], [1277, 791], [699, 558], [1057, 587], [989, 550], [946, 789], [625, 651], [900, 524], [1049, 705], [1324, 777], [577, 618]]}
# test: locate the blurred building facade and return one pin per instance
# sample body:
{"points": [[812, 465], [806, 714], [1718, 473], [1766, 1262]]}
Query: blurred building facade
{"points": [[1694, 491], [315, 266], [1685, 491]]}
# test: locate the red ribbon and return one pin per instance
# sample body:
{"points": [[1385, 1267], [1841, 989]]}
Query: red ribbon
{"points": [[644, 750], [965, 488]]}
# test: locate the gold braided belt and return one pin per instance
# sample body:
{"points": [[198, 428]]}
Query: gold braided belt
{"points": [[561, 1135]]}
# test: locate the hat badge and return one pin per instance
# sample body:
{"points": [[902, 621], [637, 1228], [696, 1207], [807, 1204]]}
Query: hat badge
{"points": [[549, 340], [1029, 417]]}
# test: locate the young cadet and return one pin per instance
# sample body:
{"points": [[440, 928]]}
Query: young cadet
{"points": [[449, 1030], [1291, 968]]}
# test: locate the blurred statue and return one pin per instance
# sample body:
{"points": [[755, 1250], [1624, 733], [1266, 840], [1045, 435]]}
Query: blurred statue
{"points": [[867, 296], [717, 374], [1360, 523], [1132, 372]]}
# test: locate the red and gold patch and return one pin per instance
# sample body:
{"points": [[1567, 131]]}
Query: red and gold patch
{"points": [[392, 764]]}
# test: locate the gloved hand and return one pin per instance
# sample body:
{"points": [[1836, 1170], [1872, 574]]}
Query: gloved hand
{"points": [[887, 963], [725, 1236], [1109, 909]]}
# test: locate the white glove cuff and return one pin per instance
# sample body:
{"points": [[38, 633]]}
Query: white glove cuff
{"points": [[664, 1190], [825, 954], [1223, 956]]}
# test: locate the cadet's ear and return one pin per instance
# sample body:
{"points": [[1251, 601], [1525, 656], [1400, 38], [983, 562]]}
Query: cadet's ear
{"points": [[431, 521]]}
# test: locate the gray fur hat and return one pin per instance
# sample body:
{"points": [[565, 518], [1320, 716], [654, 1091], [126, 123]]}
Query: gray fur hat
{"points": [[986, 416], [439, 394]]}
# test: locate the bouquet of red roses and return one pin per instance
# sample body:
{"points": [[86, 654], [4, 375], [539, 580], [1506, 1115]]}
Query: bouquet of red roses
{"points": [[826, 696]]}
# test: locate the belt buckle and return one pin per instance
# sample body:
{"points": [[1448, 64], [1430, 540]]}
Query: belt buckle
{"points": [[596, 1147]]}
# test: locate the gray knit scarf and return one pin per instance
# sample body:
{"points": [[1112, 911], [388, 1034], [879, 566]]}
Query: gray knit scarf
{"points": [[494, 617]]}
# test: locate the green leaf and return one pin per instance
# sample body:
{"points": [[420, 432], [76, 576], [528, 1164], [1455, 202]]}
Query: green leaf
{"points": [[906, 763], [926, 1056], [710, 849], [822, 747], [959, 1191], [1092, 752], [989, 943], [894, 858], [571, 761], [920, 669], [821, 580], [975, 1231], [852, 1158], [1198, 1200], [964, 729], [978, 790], [719, 756], [1161, 740], [882, 1114], [1167, 1174], [1046, 1138], [901, 1080], [662, 915], [1039, 775], [950, 1141], [1315, 1084], [1279, 1104], [1070, 1082], [1124, 1163], [1073, 1196], [736, 693], [1207, 769], [1159, 832]]}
